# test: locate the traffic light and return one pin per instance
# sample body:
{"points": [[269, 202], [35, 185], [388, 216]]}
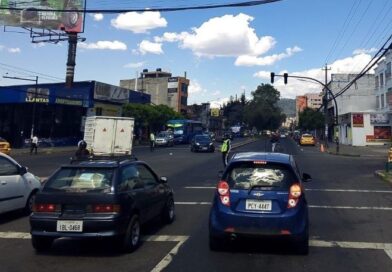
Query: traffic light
{"points": [[272, 77], [285, 75]]}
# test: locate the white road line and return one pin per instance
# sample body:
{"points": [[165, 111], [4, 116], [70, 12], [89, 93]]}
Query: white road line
{"points": [[351, 208], [15, 235], [193, 203], [312, 190]]}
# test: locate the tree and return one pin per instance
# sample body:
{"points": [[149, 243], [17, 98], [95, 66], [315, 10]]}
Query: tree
{"points": [[310, 119], [234, 111], [262, 111]]}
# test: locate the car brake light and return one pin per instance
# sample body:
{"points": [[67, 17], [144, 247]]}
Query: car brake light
{"points": [[224, 192], [294, 195], [46, 208], [106, 208]]}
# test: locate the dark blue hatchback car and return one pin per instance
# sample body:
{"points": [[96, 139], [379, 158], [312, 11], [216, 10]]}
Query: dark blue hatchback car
{"points": [[260, 194]]}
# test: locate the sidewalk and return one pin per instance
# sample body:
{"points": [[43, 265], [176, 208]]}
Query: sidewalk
{"points": [[358, 151]]}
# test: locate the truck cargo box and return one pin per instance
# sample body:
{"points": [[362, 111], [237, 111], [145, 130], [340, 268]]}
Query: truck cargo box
{"points": [[107, 135]]}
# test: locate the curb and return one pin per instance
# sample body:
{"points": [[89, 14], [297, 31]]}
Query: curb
{"points": [[343, 154], [381, 174]]}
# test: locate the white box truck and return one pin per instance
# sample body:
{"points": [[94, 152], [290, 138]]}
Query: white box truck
{"points": [[107, 135]]}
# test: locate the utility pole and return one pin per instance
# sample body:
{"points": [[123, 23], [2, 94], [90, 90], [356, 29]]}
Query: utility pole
{"points": [[325, 104]]}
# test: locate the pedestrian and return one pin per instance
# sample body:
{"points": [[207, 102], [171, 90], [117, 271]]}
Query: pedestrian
{"points": [[274, 140], [225, 149], [152, 141], [34, 145], [82, 152]]}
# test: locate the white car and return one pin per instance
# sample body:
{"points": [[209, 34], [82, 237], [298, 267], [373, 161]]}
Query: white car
{"points": [[17, 186]]}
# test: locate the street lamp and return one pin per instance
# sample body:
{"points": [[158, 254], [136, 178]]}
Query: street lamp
{"points": [[34, 99]]}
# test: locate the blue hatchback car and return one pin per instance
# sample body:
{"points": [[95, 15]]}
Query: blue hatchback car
{"points": [[260, 194]]}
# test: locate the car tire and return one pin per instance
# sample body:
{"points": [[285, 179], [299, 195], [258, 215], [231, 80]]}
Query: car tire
{"points": [[192, 149], [168, 214], [30, 202], [131, 239], [41, 243], [215, 243]]}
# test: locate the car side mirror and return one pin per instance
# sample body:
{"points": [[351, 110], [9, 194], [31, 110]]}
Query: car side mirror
{"points": [[22, 170], [306, 177], [163, 180]]}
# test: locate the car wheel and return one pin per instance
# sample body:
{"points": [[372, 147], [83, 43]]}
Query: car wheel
{"points": [[168, 214], [192, 149], [30, 202], [41, 243], [215, 243], [132, 236]]}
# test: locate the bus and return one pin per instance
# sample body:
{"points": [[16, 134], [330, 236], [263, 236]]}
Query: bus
{"points": [[184, 130]]}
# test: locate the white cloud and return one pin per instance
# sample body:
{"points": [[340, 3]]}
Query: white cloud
{"points": [[364, 51], [139, 22], [134, 65], [98, 17], [219, 102], [195, 88], [150, 47], [104, 45], [216, 93], [14, 50], [296, 87], [38, 45], [247, 60]]}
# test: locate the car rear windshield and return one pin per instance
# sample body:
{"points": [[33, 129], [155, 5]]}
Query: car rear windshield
{"points": [[81, 180], [307, 136], [202, 138], [249, 175]]}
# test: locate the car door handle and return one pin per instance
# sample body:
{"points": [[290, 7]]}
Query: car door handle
{"points": [[3, 182]]}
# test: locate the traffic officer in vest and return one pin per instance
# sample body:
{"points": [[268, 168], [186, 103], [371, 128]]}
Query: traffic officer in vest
{"points": [[225, 149]]}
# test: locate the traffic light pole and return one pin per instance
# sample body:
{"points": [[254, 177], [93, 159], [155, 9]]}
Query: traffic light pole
{"points": [[325, 100]]}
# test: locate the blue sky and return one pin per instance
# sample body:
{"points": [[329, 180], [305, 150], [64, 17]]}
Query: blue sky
{"points": [[224, 51]]}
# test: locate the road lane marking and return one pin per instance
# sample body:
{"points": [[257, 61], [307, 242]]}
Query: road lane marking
{"points": [[193, 203], [179, 239], [313, 190], [350, 208]]}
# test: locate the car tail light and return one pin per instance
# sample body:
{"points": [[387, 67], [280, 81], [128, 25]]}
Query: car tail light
{"points": [[224, 192], [46, 208], [294, 195], [106, 208]]}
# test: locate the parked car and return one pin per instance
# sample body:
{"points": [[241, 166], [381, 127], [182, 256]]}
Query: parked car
{"points": [[100, 198], [18, 187], [260, 194], [307, 139], [202, 143], [164, 138], [5, 146]]}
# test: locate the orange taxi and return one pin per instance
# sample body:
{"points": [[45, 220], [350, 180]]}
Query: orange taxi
{"points": [[307, 139], [5, 146]]}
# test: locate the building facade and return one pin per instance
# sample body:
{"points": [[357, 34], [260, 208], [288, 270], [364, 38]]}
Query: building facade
{"points": [[56, 111], [163, 88]]}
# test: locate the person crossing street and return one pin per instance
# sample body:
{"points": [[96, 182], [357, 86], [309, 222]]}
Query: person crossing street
{"points": [[225, 149]]}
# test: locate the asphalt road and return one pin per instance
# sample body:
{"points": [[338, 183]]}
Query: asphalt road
{"points": [[350, 221]]}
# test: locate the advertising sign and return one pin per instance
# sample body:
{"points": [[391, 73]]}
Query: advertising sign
{"points": [[110, 93], [357, 120], [379, 118], [66, 15], [301, 103], [39, 95], [382, 133], [215, 112], [172, 84]]}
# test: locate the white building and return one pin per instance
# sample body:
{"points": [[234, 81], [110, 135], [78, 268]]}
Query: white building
{"points": [[356, 109]]}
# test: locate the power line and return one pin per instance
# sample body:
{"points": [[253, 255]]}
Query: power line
{"points": [[28, 72], [160, 9]]}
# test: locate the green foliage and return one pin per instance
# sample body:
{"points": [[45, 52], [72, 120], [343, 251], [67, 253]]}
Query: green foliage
{"points": [[234, 111], [310, 119], [262, 111], [150, 116]]}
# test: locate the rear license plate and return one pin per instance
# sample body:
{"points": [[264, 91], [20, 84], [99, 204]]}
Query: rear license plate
{"points": [[258, 205], [69, 226], [204, 148]]}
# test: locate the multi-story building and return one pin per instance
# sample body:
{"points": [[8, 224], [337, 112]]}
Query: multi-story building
{"points": [[309, 100], [163, 88], [383, 84]]}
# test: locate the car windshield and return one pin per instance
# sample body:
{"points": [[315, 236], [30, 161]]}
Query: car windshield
{"points": [[162, 135], [249, 175], [81, 180], [202, 138]]}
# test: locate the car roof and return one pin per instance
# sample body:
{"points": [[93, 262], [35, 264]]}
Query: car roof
{"points": [[102, 163], [261, 156]]}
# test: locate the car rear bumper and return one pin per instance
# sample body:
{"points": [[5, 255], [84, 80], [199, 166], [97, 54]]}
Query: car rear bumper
{"points": [[291, 223], [42, 226]]}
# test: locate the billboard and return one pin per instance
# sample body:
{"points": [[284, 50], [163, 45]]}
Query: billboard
{"points": [[215, 112], [382, 133], [44, 14], [106, 92], [172, 84], [301, 103]]}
